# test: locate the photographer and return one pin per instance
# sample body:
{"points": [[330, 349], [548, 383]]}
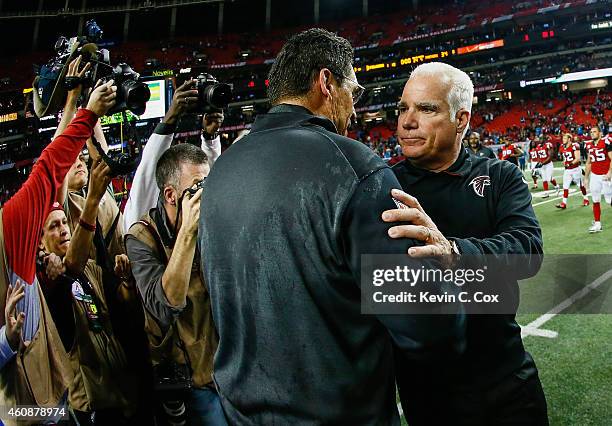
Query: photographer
{"points": [[74, 189], [43, 374], [162, 250], [107, 249], [144, 193], [102, 391]]}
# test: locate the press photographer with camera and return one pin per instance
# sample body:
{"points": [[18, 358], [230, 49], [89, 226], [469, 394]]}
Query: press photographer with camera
{"points": [[162, 250], [144, 193], [42, 375], [103, 388], [107, 249], [74, 190], [188, 97]]}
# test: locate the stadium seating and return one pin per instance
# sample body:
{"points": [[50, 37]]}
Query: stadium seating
{"points": [[384, 30]]}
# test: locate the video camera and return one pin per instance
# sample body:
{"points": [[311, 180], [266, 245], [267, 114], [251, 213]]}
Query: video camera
{"points": [[51, 84]]}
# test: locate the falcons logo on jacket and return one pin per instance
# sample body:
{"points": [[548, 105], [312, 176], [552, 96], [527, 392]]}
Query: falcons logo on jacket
{"points": [[479, 183]]}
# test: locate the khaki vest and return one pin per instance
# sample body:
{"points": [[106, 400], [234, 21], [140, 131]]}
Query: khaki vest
{"points": [[101, 376], [39, 374], [195, 324]]}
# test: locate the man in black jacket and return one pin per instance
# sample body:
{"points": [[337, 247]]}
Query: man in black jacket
{"points": [[484, 208], [476, 147], [286, 214]]}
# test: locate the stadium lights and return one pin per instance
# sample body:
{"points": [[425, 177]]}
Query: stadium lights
{"points": [[601, 25], [584, 75]]}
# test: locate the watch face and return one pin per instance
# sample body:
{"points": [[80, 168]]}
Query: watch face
{"points": [[455, 248]]}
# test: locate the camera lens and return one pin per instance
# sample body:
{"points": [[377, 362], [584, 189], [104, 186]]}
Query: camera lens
{"points": [[136, 96], [218, 95]]}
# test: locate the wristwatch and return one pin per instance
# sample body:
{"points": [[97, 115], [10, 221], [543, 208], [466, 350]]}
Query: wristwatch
{"points": [[455, 253]]}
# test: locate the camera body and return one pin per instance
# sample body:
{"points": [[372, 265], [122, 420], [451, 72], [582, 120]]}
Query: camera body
{"points": [[131, 94], [195, 188], [212, 95]]}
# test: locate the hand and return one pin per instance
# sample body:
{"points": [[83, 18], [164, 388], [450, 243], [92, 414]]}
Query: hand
{"points": [[191, 212], [422, 229], [54, 266], [73, 71], [184, 97], [608, 176], [99, 179], [123, 269], [14, 323], [212, 122], [102, 99]]}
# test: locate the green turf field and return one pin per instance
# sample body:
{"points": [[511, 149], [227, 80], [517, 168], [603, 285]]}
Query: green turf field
{"points": [[575, 366]]}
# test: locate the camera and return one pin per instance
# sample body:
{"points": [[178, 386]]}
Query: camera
{"points": [[51, 84], [131, 94], [195, 188], [212, 95], [172, 377]]}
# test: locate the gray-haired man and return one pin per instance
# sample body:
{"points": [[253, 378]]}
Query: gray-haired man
{"points": [[472, 207]]}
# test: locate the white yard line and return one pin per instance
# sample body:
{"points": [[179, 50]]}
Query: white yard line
{"points": [[550, 200], [533, 328]]}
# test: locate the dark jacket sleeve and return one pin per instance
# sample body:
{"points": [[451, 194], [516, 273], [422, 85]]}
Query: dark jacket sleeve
{"points": [[364, 232], [148, 271], [517, 240]]}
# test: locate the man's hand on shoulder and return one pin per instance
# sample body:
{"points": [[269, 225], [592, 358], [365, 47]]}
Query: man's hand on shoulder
{"points": [[422, 228]]}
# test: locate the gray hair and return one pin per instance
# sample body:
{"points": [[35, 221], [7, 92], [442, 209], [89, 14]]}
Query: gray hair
{"points": [[168, 169], [460, 86]]}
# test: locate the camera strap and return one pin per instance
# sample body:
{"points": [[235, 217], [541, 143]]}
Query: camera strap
{"points": [[164, 259]]}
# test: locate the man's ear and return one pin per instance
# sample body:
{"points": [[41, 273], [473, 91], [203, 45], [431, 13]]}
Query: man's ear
{"points": [[169, 195], [462, 120], [324, 82]]}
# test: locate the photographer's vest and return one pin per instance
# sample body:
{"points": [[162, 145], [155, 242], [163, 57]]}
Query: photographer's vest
{"points": [[194, 324], [40, 373], [101, 377]]}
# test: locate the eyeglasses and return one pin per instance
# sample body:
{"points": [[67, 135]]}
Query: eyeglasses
{"points": [[357, 92]]}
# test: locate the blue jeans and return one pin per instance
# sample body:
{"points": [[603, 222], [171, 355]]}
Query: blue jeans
{"points": [[204, 408]]}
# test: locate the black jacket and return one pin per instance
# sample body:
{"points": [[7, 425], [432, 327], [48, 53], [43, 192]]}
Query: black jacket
{"points": [[482, 151], [286, 214], [498, 222]]}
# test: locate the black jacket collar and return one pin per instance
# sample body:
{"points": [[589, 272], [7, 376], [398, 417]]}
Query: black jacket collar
{"points": [[460, 168], [286, 115]]}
